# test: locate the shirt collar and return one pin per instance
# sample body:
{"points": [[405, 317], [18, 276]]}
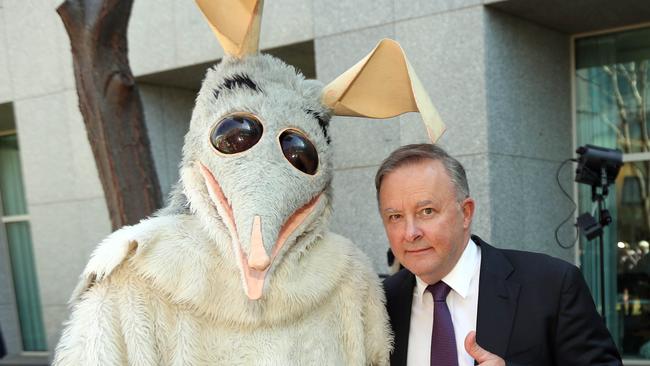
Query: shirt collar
{"points": [[460, 277]]}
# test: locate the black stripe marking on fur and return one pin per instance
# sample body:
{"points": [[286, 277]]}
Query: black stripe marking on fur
{"points": [[323, 122], [241, 81]]}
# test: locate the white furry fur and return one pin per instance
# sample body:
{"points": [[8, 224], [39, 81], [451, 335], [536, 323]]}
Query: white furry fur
{"points": [[169, 290], [174, 300]]}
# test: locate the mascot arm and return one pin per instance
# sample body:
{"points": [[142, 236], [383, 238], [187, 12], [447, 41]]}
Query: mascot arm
{"points": [[104, 326], [93, 334], [378, 334]]}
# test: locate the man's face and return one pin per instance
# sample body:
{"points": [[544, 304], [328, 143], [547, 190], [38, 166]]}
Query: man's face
{"points": [[427, 227]]}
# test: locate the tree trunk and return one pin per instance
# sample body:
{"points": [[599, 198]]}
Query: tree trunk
{"points": [[111, 107]]}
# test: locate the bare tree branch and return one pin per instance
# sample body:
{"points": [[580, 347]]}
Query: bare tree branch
{"points": [[603, 89], [620, 103]]}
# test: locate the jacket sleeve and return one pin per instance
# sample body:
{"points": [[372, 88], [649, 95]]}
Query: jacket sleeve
{"points": [[92, 335], [581, 335]]}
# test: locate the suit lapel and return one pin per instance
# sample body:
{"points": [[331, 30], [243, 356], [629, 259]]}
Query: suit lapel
{"points": [[400, 314], [497, 300]]}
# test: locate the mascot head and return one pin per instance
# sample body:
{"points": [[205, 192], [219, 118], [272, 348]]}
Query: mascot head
{"points": [[257, 159]]}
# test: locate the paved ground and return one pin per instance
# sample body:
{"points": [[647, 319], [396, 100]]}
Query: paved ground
{"points": [[21, 360]]}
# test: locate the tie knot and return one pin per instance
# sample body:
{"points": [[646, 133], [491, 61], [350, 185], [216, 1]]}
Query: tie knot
{"points": [[439, 290]]}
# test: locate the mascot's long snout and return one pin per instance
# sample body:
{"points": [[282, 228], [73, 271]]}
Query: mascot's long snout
{"points": [[255, 262]]}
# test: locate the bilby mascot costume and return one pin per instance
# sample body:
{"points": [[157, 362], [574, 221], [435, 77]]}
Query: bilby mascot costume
{"points": [[239, 268]]}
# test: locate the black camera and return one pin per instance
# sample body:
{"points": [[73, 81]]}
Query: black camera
{"points": [[598, 166]]}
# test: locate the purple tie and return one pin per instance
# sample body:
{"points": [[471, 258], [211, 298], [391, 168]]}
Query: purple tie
{"points": [[443, 341]]}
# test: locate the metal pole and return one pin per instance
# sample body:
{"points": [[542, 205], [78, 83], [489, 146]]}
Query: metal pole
{"points": [[602, 261]]}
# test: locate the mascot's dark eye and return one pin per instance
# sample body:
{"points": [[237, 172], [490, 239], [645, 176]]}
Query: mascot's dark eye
{"points": [[236, 133], [300, 152]]}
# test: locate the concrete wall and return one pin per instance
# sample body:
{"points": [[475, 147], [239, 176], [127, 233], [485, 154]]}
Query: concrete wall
{"points": [[167, 115], [5, 82], [489, 74], [65, 200], [445, 46], [166, 34], [68, 214], [528, 91]]}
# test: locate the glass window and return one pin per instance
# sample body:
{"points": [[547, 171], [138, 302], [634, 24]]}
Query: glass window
{"points": [[612, 79], [13, 212]]}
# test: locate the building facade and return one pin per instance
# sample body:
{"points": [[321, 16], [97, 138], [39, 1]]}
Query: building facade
{"points": [[519, 83]]}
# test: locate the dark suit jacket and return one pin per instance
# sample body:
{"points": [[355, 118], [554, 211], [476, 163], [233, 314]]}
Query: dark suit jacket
{"points": [[533, 309]]}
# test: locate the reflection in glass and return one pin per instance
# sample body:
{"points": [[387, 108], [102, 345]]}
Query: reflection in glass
{"points": [[633, 258], [613, 110]]}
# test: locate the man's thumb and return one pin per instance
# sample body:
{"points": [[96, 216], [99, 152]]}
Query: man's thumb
{"points": [[474, 350]]}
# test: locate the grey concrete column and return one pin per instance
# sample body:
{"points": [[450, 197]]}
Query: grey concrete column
{"points": [[528, 91]]}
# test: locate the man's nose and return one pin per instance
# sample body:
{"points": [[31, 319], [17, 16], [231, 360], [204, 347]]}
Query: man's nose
{"points": [[413, 232]]}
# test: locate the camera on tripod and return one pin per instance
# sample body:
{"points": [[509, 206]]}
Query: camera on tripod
{"points": [[597, 167]]}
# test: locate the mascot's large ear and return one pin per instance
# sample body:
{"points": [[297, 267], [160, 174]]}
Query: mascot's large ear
{"points": [[236, 23], [382, 85]]}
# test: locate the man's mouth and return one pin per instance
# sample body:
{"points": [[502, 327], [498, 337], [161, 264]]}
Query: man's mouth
{"points": [[419, 251]]}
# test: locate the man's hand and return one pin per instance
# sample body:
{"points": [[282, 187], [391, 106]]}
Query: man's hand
{"points": [[483, 357]]}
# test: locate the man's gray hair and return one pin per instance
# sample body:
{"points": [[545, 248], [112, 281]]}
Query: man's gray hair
{"points": [[416, 153]]}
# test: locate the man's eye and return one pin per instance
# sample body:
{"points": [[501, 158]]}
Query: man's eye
{"points": [[427, 211], [394, 217]]}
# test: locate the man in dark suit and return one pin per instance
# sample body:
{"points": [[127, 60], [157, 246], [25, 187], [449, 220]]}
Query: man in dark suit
{"points": [[459, 300]]}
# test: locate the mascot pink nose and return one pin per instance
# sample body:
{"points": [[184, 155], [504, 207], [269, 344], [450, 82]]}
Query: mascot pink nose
{"points": [[257, 258]]}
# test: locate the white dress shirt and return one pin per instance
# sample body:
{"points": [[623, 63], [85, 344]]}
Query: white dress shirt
{"points": [[462, 302]]}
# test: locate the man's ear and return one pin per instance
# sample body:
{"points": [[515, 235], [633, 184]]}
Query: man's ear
{"points": [[382, 85], [467, 206]]}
